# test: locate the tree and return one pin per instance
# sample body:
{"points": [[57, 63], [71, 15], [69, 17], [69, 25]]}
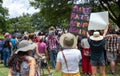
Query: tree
{"points": [[23, 23], [54, 12], [3, 19], [58, 11], [39, 22], [112, 6]]}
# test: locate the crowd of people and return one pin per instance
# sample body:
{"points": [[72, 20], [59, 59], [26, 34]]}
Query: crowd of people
{"points": [[64, 50]]}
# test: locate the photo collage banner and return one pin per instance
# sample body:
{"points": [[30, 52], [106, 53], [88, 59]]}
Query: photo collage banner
{"points": [[79, 18]]}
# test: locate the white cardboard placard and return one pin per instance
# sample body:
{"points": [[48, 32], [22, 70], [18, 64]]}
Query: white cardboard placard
{"points": [[98, 20]]}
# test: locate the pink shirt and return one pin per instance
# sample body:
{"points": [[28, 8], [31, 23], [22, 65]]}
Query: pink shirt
{"points": [[41, 47]]}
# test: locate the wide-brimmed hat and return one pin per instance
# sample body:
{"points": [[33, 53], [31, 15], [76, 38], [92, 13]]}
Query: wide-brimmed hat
{"points": [[25, 46], [96, 36], [68, 40], [6, 34]]}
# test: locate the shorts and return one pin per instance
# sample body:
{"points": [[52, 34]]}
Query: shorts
{"points": [[111, 56], [70, 74], [97, 62]]}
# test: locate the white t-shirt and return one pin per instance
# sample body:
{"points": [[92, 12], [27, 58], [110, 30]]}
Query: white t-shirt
{"points": [[73, 57]]}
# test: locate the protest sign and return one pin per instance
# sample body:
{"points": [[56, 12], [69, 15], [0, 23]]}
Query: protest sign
{"points": [[80, 17], [98, 20]]}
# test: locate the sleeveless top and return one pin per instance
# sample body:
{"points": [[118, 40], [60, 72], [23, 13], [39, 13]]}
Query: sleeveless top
{"points": [[24, 69]]}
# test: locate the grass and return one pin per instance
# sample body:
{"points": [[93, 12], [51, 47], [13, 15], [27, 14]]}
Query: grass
{"points": [[4, 71], [1, 35]]}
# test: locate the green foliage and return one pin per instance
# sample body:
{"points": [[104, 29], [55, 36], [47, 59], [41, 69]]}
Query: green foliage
{"points": [[3, 14], [55, 12], [58, 12], [39, 22], [112, 6], [23, 23]]}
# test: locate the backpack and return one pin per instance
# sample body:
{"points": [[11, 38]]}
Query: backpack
{"points": [[6, 43]]}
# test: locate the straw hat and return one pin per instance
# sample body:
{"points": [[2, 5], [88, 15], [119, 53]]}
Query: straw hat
{"points": [[6, 34], [68, 40], [96, 36], [25, 46]]}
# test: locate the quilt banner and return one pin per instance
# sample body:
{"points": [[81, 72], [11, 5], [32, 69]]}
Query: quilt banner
{"points": [[79, 18]]}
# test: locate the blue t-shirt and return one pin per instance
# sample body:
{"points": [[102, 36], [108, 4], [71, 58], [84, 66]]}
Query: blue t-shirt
{"points": [[14, 41], [97, 49]]}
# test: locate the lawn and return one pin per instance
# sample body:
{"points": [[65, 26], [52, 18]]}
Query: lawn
{"points": [[4, 71], [1, 36]]}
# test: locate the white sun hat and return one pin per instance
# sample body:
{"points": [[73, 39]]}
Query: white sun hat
{"points": [[96, 36], [25, 46]]}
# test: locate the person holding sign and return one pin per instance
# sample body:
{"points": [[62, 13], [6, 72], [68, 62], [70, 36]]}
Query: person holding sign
{"points": [[97, 58]]}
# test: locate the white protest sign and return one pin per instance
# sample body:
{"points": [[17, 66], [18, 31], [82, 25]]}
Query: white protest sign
{"points": [[81, 1], [98, 20]]}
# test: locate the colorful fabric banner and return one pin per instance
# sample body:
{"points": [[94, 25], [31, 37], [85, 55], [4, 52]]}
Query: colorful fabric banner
{"points": [[80, 17]]}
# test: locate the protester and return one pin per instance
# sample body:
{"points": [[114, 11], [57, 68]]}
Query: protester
{"points": [[68, 59], [52, 45], [1, 50], [42, 48], [118, 41], [21, 64], [14, 42], [111, 47], [7, 46], [97, 48], [25, 37], [31, 38], [86, 66]]}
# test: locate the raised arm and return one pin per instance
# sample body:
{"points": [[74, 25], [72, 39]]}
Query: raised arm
{"points": [[106, 30], [88, 35]]}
